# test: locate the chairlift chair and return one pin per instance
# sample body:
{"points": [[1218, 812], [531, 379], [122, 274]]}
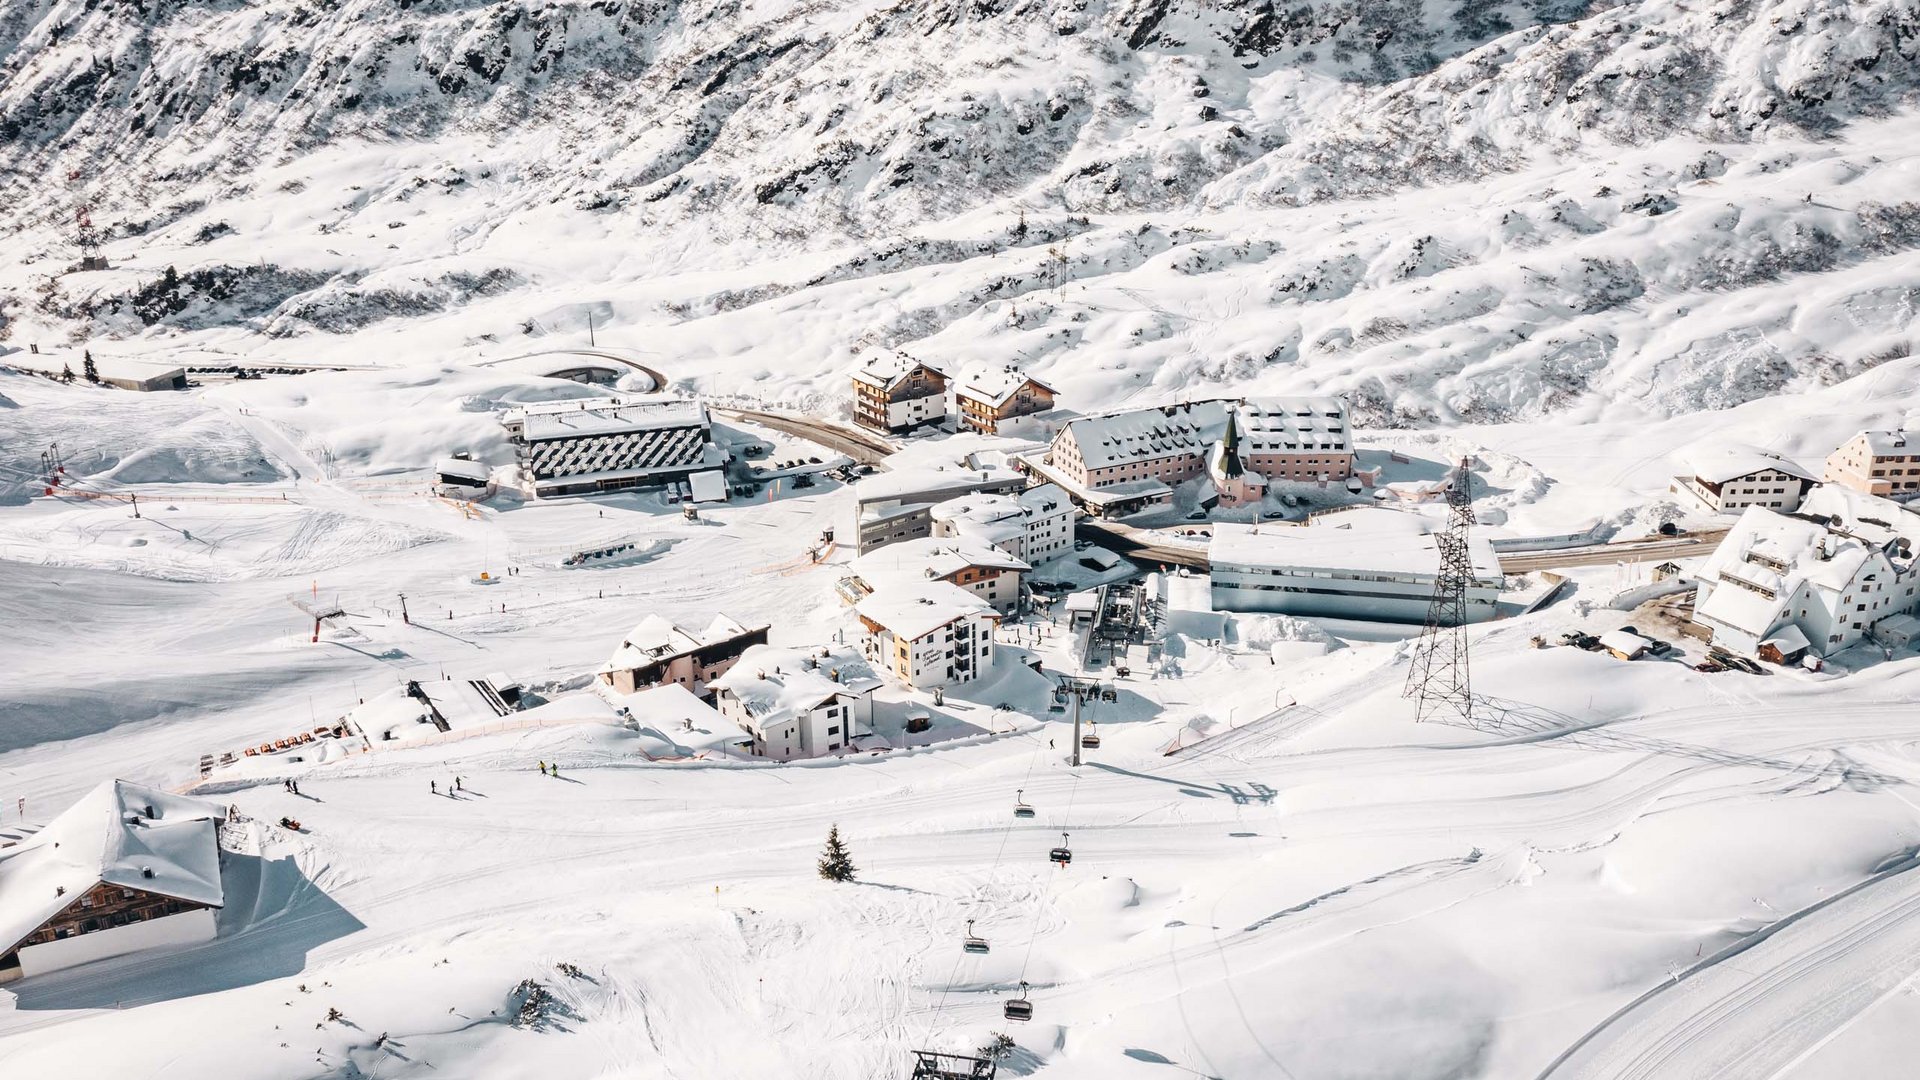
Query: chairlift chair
{"points": [[972, 943], [1019, 1008], [1020, 808], [1062, 854], [1090, 741]]}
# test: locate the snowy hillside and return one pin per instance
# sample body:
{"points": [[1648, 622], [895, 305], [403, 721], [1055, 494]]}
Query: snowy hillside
{"points": [[1449, 211]]}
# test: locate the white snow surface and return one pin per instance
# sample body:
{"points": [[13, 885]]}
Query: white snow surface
{"points": [[1573, 241]]}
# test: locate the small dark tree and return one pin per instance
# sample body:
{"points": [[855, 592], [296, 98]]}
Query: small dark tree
{"points": [[836, 864], [999, 1048], [86, 364], [66, 372]]}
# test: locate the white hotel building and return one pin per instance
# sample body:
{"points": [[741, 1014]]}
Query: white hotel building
{"points": [[586, 445], [1367, 564], [1035, 525], [1839, 572]]}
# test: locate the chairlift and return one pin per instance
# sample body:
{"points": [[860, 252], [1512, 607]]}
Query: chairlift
{"points": [[1020, 808], [1090, 741], [1062, 854], [972, 943], [1019, 1008]]}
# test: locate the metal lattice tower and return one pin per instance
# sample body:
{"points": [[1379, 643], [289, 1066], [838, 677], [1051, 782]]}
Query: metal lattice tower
{"points": [[1440, 681]]}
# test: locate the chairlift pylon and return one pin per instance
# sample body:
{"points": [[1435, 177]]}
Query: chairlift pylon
{"points": [[1062, 854], [1019, 1008], [1020, 807], [973, 943]]}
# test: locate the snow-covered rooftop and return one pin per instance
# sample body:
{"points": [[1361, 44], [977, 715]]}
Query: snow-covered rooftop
{"points": [[1717, 463], [931, 483], [1147, 434], [1900, 443], [995, 518], [680, 719], [886, 370], [915, 610], [774, 683], [604, 416], [1292, 425], [1366, 539], [927, 558], [655, 639], [119, 833], [995, 386], [108, 367]]}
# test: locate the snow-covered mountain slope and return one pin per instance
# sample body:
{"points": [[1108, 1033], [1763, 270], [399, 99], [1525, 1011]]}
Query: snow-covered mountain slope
{"points": [[1449, 211]]}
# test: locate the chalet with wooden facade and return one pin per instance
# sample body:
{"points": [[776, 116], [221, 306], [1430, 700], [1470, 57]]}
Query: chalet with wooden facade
{"points": [[125, 869], [984, 400], [657, 653], [898, 393]]}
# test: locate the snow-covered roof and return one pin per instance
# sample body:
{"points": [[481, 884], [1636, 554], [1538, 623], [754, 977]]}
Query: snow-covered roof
{"points": [[996, 386], [1788, 639], [1367, 539], [119, 833], [677, 716], [107, 367], [604, 416], [774, 683], [929, 558], [709, 486], [476, 471], [932, 483], [656, 640], [888, 370], [998, 518], [1892, 443], [1146, 434], [1717, 463], [1292, 425], [1742, 609], [914, 611]]}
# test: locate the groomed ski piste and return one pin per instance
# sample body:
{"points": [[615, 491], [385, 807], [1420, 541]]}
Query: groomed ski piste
{"points": [[1625, 870]]}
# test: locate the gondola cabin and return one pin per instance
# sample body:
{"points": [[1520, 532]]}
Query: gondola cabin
{"points": [[1019, 1008]]}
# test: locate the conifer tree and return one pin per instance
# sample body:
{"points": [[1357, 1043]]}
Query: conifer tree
{"points": [[836, 863], [66, 372], [86, 364]]}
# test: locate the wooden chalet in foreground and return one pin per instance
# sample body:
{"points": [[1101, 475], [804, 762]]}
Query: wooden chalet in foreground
{"points": [[125, 869]]}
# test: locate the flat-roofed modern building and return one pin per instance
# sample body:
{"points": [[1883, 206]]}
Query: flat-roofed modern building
{"points": [[1368, 563], [589, 445]]}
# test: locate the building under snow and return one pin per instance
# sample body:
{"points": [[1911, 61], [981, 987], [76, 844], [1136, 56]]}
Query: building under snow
{"points": [[797, 703], [586, 445], [125, 869], [970, 563], [122, 372], [1883, 463], [928, 635], [1035, 525], [1821, 580], [1127, 461], [657, 652], [898, 505], [893, 392], [985, 399], [1367, 563], [1731, 477]]}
